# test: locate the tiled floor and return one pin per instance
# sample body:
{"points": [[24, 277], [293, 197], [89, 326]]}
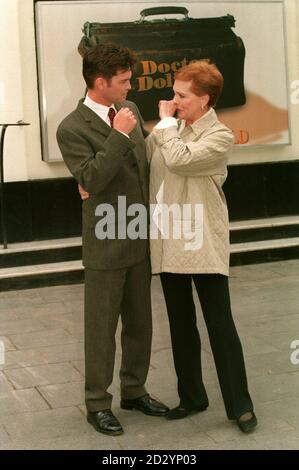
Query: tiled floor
{"points": [[42, 380]]}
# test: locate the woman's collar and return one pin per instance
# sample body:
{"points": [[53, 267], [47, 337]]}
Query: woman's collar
{"points": [[205, 121]]}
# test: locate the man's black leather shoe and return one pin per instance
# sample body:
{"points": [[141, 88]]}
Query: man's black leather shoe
{"points": [[179, 412], [104, 421], [247, 425], [146, 404]]}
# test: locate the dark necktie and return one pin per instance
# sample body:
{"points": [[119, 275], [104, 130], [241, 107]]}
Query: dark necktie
{"points": [[111, 115]]}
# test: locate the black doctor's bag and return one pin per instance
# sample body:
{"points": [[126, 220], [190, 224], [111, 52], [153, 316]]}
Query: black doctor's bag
{"points": [[162, 46]]}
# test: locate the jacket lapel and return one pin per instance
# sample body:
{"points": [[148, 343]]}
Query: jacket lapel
{"points": [[95, 122]]}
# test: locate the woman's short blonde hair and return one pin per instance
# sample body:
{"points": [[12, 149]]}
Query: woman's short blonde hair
{"points": [[206, 79]]}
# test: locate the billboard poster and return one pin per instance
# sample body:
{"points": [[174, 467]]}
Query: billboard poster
{"points": [[246, 40]]}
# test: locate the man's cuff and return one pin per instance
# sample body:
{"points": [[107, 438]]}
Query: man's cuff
{"points": [[120, 138], [123, 133]]}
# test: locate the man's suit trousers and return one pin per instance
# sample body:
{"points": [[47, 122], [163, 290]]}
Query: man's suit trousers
{"points": [[109, 294]]}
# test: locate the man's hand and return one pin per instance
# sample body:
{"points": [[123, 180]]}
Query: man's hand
{"points": [[84, 194], [166, 108], [124, 121]]}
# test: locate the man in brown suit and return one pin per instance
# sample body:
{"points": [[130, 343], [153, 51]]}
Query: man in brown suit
{"points": [[102, 143]]}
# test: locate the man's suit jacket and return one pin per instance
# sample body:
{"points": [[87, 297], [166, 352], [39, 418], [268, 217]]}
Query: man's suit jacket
{"points": [[107, 164]]}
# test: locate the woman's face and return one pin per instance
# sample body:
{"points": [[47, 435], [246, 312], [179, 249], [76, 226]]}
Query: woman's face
{"points": [[189, 106]]}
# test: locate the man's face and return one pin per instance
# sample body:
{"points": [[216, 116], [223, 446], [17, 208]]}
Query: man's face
{"points": [[116, 89]]}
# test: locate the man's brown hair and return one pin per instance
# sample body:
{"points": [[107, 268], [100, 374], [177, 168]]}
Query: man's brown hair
{"points": [[106, 60]]}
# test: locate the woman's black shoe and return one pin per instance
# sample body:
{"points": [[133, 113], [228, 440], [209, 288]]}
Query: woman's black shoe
{"points": [[247, 425], [179, 412]]}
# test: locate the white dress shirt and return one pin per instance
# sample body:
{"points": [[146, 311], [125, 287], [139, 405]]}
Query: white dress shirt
{"points": [[100, 109]]}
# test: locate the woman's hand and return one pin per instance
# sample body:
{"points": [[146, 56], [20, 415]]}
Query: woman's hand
{"points": [[166, 108], [84, 194]]}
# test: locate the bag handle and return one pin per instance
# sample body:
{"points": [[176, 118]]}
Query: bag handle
{"points": [[163, 10]]}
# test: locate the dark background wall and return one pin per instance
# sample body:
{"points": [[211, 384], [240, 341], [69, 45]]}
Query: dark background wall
{"points": [[47, 209]]}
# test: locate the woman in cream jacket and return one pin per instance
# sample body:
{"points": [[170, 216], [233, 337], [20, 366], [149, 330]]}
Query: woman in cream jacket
{"points": [[190, 239]]}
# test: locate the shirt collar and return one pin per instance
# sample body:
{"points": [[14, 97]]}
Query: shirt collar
{"points": [[100, 109]]}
